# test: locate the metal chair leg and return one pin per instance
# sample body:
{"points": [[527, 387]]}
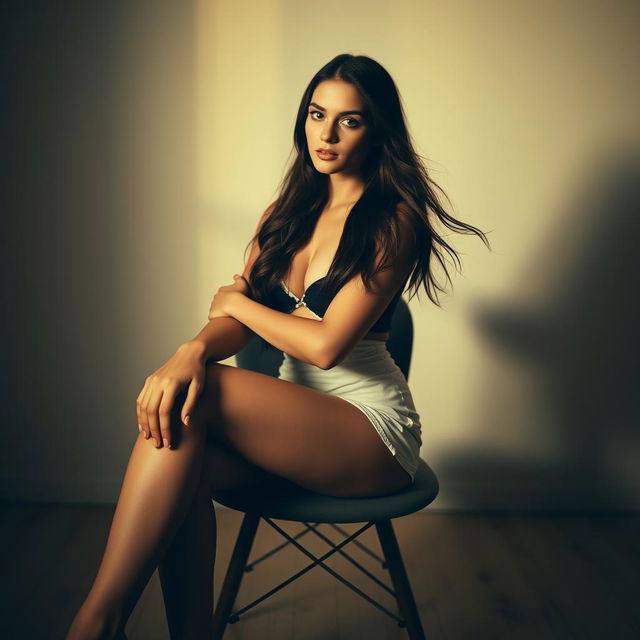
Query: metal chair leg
{"points": [[234, 574], [404, 595]]}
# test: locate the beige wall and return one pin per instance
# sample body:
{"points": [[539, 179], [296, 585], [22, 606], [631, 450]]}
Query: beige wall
{"points": [[527, 116], [98, 238]]}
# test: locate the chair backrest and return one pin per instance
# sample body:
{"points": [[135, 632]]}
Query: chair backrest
{"points": [[399, 345]]}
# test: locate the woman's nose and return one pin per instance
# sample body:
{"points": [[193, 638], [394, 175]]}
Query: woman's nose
{"points": [[327, 134]]}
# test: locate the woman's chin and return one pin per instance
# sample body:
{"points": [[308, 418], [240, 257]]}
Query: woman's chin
{"points": [[325, 168]]}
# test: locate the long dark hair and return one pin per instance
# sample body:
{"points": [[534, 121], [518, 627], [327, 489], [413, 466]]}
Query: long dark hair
{"points": [[392, 173]]}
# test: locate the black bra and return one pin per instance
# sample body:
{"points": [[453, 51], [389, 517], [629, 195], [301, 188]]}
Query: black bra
{"points": [[281, 299]]}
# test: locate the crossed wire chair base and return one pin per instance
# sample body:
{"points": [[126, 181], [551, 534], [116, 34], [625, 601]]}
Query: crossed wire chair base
{"points": [[392, 561]]}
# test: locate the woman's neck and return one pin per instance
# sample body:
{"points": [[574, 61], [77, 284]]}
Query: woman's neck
{"points": [[343, 191]]}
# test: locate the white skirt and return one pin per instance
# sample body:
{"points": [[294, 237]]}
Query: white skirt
{"points": [[370, 380]]}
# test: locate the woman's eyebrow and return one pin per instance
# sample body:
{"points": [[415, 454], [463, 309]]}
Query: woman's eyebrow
{"points": [[342, 113]]}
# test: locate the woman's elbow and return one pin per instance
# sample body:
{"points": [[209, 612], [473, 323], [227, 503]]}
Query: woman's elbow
{"points": [[328, 357], [332, 349], [324, 361]]}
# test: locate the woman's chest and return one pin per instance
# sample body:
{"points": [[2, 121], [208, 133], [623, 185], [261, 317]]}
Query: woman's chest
{"points": [[312, 261]]}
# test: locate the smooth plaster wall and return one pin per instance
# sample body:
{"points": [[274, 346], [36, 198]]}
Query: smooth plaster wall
{"points": [[145, 142]]}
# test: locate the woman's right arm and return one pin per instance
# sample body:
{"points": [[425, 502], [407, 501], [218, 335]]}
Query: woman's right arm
{"points": [[219, 339]]}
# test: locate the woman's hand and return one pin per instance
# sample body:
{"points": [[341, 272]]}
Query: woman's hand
{"points": [[155, 403], [224, 295]]}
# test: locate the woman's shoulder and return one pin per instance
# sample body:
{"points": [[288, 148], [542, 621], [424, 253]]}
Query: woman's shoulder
{"points": [[403, 211], [406, 222], [267, 213], [269, 209]]}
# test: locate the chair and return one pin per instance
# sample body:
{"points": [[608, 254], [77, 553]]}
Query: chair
{"points": [[296, 504]]}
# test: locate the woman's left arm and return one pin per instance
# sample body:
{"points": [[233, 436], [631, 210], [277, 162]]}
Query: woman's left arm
{"points": [[300, 337], [303, 338], [350, 316]]}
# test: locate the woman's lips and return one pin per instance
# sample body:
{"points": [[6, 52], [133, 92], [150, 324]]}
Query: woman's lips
{"points": [[326, 155]]}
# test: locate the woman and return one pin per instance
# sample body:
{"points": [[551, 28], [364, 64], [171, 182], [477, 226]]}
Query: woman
{"points": [[328, 263]]}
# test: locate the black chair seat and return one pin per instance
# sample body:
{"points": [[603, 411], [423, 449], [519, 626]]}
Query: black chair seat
{"points": [[288, 501]]}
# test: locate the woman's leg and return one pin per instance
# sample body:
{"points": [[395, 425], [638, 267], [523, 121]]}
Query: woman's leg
{"points": [[157, 491], [186, 570], [314, 439]]}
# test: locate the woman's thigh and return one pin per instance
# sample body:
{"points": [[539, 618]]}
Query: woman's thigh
{"points": [[225, 468], [314, 439]]}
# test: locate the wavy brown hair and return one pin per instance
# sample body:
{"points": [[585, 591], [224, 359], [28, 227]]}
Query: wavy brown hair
{"points": [[392, 173]]}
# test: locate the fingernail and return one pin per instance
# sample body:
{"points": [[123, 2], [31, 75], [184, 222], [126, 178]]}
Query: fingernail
{"points": [[157, 442], [187, 420], [139, 428], [166, 442]]}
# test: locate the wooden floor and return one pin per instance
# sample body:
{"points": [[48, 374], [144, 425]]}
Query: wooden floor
{"points": [[474, 576]]}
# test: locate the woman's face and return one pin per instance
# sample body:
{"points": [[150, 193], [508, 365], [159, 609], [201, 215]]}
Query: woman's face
{"points": [[336, 121]]}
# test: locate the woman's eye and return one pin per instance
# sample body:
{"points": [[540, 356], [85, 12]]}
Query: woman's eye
{"points": [[355, 124]]}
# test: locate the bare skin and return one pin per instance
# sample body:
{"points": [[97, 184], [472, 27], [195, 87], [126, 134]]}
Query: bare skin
{"points": [[164, 515], [245, 428]]}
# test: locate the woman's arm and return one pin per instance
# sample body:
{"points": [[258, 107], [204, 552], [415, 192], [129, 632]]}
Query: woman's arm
{"points": [[351, 314], [303, 338], [219, 339]]}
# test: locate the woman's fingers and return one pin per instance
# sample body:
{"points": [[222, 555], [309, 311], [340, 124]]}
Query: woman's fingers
{"points": [[192, 396], [142, 408], [139, 406], [156, 403], [164, 412], [153, 408]]}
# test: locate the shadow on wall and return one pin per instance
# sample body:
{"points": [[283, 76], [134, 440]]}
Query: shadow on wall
{"points": [[575, 352]]}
